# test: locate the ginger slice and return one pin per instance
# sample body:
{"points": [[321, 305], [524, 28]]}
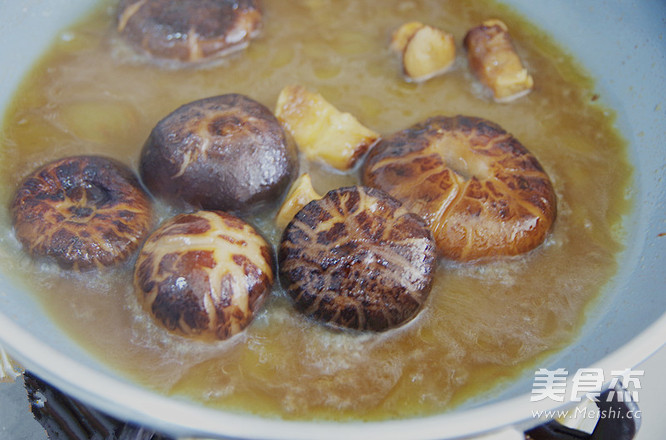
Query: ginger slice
{"points": [[430, 52], [495, 62], [300, 194], [426, 51], [320, 130], [401, 36]]}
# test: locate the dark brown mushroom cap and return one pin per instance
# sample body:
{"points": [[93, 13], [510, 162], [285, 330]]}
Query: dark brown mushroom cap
{"points": [[480, 190], [188, 30], [204, 274], [226, 152], [357, 259], [81, 211]]}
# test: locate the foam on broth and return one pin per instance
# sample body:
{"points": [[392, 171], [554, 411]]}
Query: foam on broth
{"points": [[482, 325]]}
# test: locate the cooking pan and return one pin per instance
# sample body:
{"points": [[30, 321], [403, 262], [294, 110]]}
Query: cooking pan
{"points": [[622, 46]]}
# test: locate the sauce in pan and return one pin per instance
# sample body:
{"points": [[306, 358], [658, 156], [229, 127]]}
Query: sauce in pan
{"points": [[482, 325]]}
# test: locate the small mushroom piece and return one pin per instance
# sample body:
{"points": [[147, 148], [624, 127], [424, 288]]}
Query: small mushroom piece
{"points": [[226, 152], [300, 194], [188, 30], [204, 275], [320, 130], [494, 60], [357, 259]]}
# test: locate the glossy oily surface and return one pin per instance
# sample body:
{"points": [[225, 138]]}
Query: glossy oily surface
{"points": [[82, 212], [225, 152], [204, 274], [482, 193], [356, 258], [187, 30], [481, 325]]}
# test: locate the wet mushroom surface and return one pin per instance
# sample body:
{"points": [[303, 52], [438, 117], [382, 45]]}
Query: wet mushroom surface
{"points": [[481, 191], [82, 212], [204, 274], [188, 31], [357, 259], [224, 152]]}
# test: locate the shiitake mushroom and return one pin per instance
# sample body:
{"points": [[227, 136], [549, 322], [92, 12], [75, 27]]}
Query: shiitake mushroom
{"points": [[480, 190], [357, 259], [204, 274], [225, 152], [82, 212], [188, 30]]}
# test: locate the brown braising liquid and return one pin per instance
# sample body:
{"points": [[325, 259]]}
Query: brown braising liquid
{"points": [[482, 325]]}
